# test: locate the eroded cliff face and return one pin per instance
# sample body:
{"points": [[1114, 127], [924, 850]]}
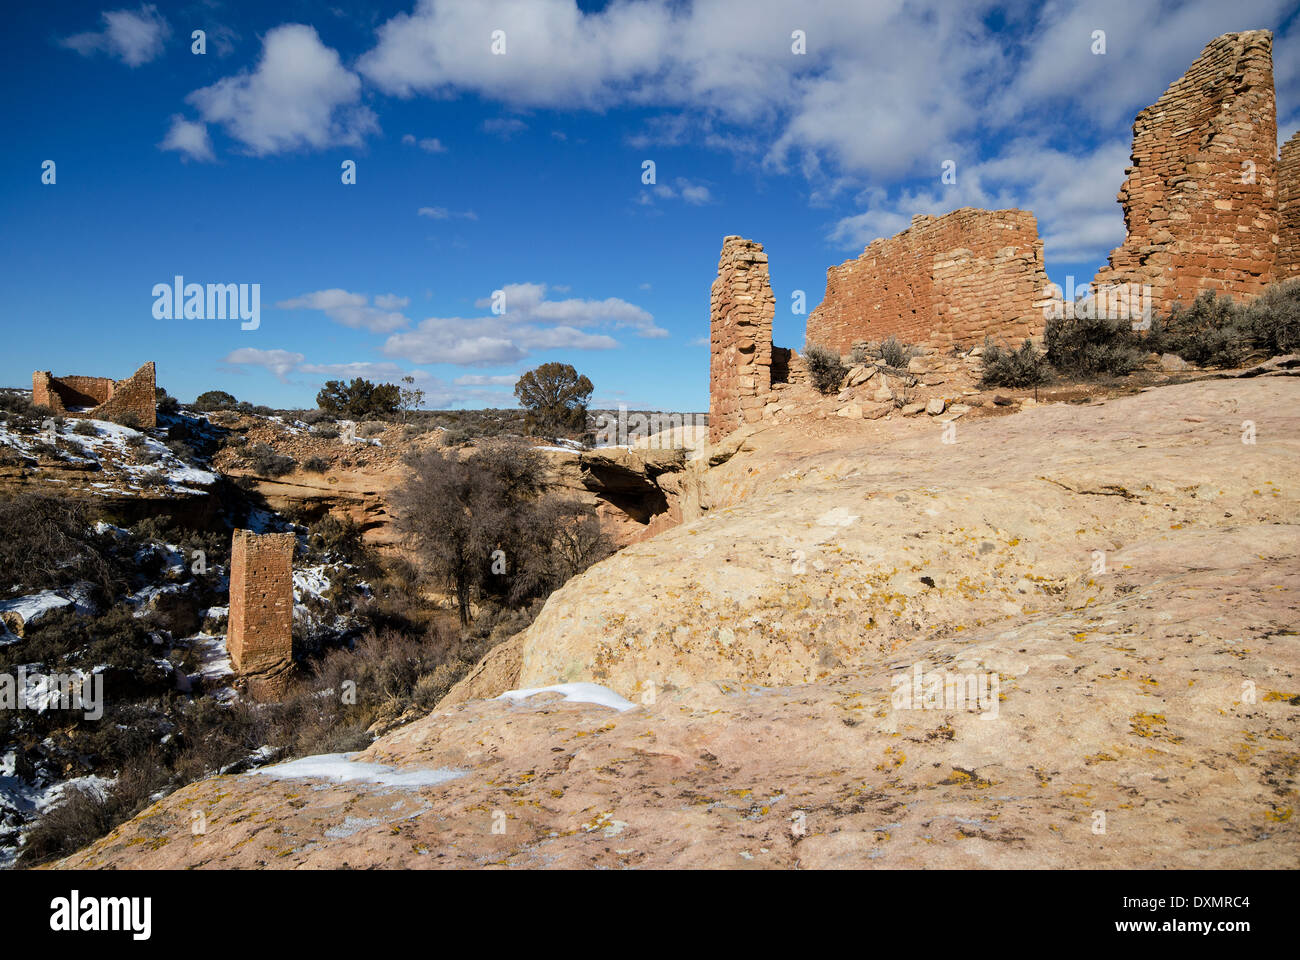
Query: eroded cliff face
{"points": [[1121, 577]]}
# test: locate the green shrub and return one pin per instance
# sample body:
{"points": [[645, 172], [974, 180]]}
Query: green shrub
{"points": [[214, 400], [1011, 368], [1273, 318], [85, 428], [1211, 332], [825, 368], [1092, 346]]}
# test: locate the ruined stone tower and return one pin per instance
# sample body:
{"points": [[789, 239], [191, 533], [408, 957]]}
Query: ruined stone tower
{"points": [[1200, 203], [741, 310], [260, 631]]}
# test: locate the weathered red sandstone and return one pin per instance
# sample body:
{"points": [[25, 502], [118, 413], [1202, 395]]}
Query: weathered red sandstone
{"points": [[947, 280], [1200, 198], [1288, 210]]}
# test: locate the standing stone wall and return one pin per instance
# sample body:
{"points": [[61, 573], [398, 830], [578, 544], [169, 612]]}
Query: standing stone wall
{"points": [[1288, 208], [1199, 198], [107, 399], [260, 627], [741, 311], [947, 280]]}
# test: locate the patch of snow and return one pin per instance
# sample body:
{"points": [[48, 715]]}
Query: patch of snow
{"points": [[36, 605], [575, 693], [310, 581], [341, 768]]}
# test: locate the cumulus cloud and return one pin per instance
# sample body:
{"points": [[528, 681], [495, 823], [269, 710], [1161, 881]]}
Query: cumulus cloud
{"points": [[188, 138], [427, 144], [885, 93], [530, 323], [300, 96], [133, 36], [353, 309], [279, 362]]}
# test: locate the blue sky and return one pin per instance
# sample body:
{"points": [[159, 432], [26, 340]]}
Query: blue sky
{"points": [[522, 172]]}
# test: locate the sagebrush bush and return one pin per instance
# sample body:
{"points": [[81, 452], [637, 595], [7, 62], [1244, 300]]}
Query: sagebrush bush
{"points": [[85, 428], [265, 462], [1211, 332], [1023, 367], [825, 368], [316, 465], [1092, 346], [895, 353], [1273, 318]]}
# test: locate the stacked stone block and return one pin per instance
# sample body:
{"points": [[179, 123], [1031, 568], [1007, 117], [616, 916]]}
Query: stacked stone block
{"points": [[105, 399], [260, 628], [1200, 201], [741, 311], [1288, 210], [944, 281]]}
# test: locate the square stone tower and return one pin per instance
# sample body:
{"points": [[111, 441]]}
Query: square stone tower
{"points": [[740, 312], [260, 632]]}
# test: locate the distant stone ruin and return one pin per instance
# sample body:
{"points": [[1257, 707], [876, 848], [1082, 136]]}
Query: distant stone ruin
{"points": [[944, 281], [260, 629], [100, 398], [1201, 199], [1288, 210]]}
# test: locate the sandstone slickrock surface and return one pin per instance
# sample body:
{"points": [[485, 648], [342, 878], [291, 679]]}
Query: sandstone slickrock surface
{"points": [[759, 642]]}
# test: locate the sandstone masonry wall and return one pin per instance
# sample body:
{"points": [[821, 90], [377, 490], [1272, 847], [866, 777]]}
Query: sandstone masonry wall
{"points": [[108, 399], [260, 626], [947, 280], [1195, 217], [1288, 209], [741, 310]]}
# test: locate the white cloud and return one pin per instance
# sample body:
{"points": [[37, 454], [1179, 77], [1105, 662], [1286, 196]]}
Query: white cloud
{"points": [[352, 310], [695, 194], [427, 144], [484, 380], [300, 96], [530, 323], [1072, 194], [279, 362], [134, 37], [188, 138], [442, 213], [887, 91]]}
